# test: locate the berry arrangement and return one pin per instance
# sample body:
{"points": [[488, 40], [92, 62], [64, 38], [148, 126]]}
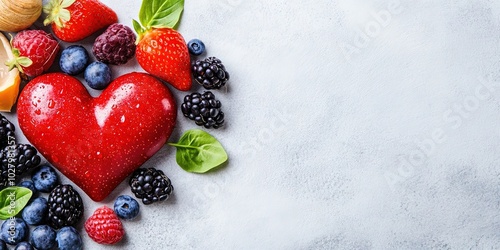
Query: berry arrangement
{"points": [[90, 139]]}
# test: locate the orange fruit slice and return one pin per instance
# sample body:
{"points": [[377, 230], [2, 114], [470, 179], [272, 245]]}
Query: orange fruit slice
{"points": [[9, 80]]}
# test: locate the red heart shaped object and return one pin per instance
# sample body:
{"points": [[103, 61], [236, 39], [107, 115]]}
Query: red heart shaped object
{"points": [[97, 142]]}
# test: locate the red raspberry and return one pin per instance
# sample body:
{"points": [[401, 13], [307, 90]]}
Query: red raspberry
{"points": [[37, 46], [104, 227]]}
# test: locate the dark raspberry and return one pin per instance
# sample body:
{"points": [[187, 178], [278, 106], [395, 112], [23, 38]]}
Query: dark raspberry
{"points": [[150, 185], [21, 158], [210, 73], [203, 109], [65, 207], [116, 45], [6, 132]]}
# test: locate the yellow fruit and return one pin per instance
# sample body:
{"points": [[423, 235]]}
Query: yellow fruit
{"points": [[9, 80]]}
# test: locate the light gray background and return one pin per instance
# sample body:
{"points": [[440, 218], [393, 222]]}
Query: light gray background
{"points": [[351, 124]]}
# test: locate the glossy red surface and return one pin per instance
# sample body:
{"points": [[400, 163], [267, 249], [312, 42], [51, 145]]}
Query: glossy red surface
{"points": [[97, 142]]}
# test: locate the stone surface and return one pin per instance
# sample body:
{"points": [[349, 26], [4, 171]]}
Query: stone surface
{"points": [[351, 124]]}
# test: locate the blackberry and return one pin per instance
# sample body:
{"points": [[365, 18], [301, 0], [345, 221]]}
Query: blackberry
{"points": [[116, 45], [204, 109], [210, 73], [150, 185], [65, 207], [6, 131], [23, 157]]}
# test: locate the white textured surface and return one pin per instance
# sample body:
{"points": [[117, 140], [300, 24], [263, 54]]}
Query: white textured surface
{"points": [[325, 129]]}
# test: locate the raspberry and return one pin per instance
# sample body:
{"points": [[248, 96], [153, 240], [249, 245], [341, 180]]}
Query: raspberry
{"points": [[116, 45], [210, 73], [104, 227], [204, 109], [37, 46]]}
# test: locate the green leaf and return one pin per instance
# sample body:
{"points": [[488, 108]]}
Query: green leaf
{"points": [[199, 152], [13, 200], [138, 28], [24, 61], [160, 13]]}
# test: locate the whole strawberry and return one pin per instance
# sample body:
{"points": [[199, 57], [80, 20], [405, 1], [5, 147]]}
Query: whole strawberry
{"points": [[104, 227], [74, 20], [161, 50], [34, 52]]}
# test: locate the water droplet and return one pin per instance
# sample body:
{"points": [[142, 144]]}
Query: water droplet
{"points": [[122, 119], [35, 104], [38, 111], [51, 104]]}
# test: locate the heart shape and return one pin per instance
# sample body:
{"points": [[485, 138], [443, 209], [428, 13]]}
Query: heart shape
{"points": [[97, 142]]}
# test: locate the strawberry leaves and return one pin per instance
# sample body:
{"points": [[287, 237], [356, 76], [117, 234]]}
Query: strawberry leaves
{"points": [[57, 12], [158, 14]]}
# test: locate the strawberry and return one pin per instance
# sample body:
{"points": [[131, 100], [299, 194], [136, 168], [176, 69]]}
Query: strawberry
{"points": [[34, 52], [161, 50], [74, 20], [104, 227]]}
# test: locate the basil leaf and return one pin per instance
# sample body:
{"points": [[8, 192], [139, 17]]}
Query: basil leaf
{"points": [[13, 200], [199, 152], [160, 13]]}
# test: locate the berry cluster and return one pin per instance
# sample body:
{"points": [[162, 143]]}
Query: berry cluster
{"points": [[203, 108], [52, 219], [16, 160], [55, 208]]}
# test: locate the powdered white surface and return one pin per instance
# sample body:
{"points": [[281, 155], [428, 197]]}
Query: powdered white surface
{"points": [[351, 124]]}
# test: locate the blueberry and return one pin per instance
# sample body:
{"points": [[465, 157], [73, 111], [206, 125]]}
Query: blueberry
{"points": [[98, 75], [36, 212], [69, 239], [45, 178], [126, 207], [29, 185], [23, 246], [43, 237], [14, 231], [196, 47], [74, 59], [3, 246]]}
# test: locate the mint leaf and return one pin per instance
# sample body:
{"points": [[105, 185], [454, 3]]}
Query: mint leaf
{"points": [[199, 152], [160, 13], [13, 200]]}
